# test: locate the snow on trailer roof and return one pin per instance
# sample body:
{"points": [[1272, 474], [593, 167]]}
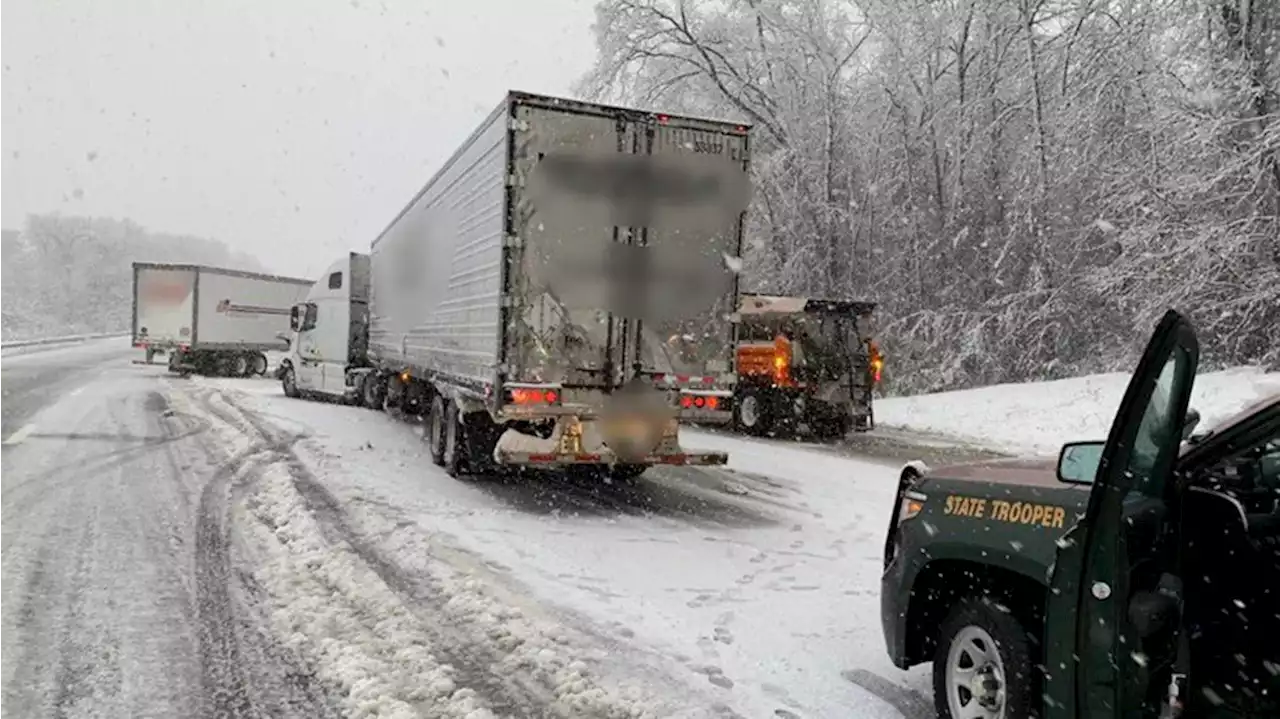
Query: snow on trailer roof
{"points": [[754, 304]]}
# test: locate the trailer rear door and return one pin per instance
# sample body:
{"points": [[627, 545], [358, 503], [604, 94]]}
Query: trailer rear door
{"points": [[163, 305], [628, 229]]}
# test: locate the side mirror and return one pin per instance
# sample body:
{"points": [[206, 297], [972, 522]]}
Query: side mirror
{"points": [[1189, 427], [1078, 462], [295, 318]]}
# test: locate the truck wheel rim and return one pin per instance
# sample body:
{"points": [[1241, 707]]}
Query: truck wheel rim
{"points": [[975, 676], [749, 411]]}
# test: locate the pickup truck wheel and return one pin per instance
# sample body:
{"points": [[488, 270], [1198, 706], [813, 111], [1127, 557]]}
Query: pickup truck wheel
{"points": [[289, 382], [983, 668], [751, 413], [454, 441], [433, 428]]}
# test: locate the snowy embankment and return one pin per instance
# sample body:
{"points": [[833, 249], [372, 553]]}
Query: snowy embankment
{"points": [[1037, 417]]}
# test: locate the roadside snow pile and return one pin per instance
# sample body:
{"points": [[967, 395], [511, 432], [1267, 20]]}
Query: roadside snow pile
{"points": [[1037, 417]]}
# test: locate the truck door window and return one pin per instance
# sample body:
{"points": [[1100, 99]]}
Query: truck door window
{"points": [[335, 281]]}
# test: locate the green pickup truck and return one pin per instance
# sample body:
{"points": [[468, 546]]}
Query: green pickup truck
{"points": [[1136, 577]]}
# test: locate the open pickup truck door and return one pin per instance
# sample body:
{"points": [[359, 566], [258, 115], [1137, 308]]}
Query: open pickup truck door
{"points": [[1101, 656]]}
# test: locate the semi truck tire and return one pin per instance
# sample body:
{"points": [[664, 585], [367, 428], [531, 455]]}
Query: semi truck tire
{"points": [[372, 391], [831, 427], [751, 413], [433, 430], [260, 364], [239, 366], [983, 656], [289, 382], [626, 473], [455, 449]]}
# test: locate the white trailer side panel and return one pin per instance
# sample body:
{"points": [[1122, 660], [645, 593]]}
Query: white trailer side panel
{"points": [[163, 303], [437, 269], [239, 310]]}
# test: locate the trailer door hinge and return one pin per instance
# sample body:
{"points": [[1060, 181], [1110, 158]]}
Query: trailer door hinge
{"points": [[518, 125], [514, 180], [513, 241]]}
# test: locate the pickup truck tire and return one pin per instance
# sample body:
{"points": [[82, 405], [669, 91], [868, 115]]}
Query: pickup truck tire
{"points": [[984, 656], [433, 430]]}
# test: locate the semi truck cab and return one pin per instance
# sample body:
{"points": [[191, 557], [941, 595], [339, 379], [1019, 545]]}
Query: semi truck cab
{"points": [[330, 333]]}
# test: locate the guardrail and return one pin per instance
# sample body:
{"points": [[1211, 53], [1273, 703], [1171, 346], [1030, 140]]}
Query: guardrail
{"points": [[68, 339]]}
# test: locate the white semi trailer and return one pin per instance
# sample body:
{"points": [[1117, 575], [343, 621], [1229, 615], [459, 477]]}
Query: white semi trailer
{"points": [[560, 295], [212, 320]]}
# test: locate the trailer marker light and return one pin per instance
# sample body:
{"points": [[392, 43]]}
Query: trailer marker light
{"points": [[552, 396], [699, 402], [712, 401]]}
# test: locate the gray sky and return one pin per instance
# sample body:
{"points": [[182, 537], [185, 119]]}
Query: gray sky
{"points": [[291, 130]]}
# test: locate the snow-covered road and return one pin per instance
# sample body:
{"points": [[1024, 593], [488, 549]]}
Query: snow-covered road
{"points": [[211, 548], [749, 592], [124, 593]]}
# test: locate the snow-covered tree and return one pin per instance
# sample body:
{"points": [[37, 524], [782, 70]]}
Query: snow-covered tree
{"points": [[1024, 185]]}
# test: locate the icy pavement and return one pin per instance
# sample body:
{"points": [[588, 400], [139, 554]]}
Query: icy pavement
{"points": [[750, 592], [124, 594], [1038, 417]]}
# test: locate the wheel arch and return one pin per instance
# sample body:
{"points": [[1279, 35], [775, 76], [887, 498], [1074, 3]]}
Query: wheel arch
{"points": [[944, 582]]}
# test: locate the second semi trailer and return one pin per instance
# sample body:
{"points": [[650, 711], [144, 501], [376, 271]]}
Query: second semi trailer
{"points": [[212, 320]]}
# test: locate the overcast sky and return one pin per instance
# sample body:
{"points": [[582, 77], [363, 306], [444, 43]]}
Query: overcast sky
{"points": [[294, 130]]}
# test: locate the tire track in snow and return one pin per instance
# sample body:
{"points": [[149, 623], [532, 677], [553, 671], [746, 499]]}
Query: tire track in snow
{"points": [[229, 692], [473, 665]]}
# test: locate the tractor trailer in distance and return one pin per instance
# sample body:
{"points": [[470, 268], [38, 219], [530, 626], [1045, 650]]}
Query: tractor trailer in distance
{"points": [[212, 320], [560, 295]]}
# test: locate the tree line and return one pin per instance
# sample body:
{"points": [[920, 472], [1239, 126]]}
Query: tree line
{"points": [[67, 275], [1023, 186]]}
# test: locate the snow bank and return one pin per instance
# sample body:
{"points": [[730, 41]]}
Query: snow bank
{"points": [[1037, 417]]}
